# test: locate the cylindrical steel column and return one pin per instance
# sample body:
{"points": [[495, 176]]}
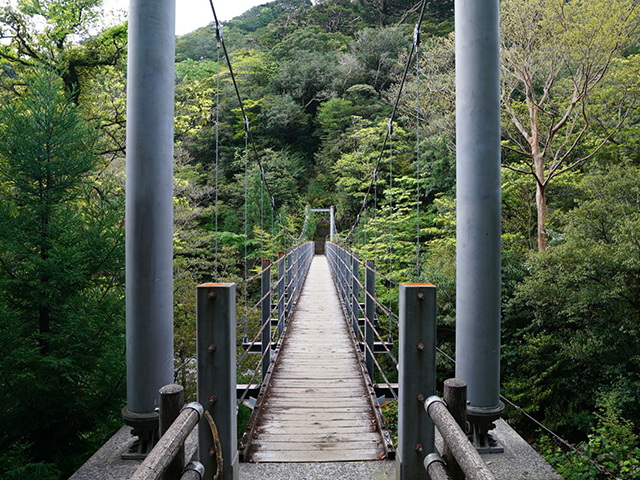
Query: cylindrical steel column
{"points": [[478, 200], [149, 201], [332, 224]]}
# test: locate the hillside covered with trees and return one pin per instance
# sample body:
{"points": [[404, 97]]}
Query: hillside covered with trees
{"points": [[319, 82]]}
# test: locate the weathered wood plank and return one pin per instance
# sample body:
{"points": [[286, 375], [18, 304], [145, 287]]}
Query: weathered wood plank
{"points": [[317, 456]]}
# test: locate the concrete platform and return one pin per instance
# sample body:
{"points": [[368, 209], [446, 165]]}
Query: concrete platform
{"points": [[518, 462], [106, 463]]}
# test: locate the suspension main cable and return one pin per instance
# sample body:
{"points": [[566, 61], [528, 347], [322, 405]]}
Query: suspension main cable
{"points": [[248, 132], [262, 180], [392, 118], [390, 217]]}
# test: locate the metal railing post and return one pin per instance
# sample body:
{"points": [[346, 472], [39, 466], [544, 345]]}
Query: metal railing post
{"points": [[296, 273], [355, 300], [347, 283], [281, 299], [369, 313], [343, 274], [416, 378], [216, 351], [288, 284], [265, 315]]}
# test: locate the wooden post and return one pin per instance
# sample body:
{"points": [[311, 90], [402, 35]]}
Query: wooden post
{"points": [[170, 402], [467, 456], [158, 460], [455, 396]]}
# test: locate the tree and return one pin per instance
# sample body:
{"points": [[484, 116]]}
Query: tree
{"points": [[555, 54], [375, 57], [571, 328], [58, 34], [61, 286]]}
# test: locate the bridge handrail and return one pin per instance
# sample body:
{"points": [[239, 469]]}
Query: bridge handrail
{"points": [[299, 260], [170, 445], [456, 440], [344, 269]]}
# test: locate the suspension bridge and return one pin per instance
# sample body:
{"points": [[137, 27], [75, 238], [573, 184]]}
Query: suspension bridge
{"points": [[326, 347]]}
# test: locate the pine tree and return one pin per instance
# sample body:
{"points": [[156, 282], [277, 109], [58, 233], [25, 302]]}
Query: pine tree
{"points": [[61, 285]]}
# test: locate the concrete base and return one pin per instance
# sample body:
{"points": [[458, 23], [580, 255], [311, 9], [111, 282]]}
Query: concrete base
{"points": [[106, 463], [518, 462]]}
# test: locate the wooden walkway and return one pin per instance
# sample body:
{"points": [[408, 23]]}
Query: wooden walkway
{"points": [[317, 408]]}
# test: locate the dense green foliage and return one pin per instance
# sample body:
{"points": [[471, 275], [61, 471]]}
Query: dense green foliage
{"points": [[318, 82], [61, 285]]}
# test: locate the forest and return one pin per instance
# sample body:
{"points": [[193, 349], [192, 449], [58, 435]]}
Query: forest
{"points": [[318, 83]]}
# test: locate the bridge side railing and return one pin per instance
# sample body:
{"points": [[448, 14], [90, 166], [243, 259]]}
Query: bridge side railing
{"points": [[167, 459], [364, 311], [416, 365], [461, 456], [219, 354]]}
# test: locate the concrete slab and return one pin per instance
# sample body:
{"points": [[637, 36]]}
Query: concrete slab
{"points": [[376, 470], [106, 463], [518, 462]]}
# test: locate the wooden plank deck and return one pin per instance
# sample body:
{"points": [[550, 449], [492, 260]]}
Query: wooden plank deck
{"points": [[317, 407]]}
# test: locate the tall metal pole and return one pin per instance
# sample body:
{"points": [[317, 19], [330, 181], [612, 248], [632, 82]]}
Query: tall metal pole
{"points": [[478, 203], [149, 203], [355, 293]]}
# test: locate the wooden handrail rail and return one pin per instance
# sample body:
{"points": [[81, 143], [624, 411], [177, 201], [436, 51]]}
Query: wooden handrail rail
{"points": [[166, 449], [463, 450]]}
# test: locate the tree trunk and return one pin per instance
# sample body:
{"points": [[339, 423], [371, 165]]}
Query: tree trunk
{"points": [[541, 208]]}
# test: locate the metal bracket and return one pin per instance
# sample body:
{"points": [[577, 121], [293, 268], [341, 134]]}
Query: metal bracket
{"points": [[196, 467], [480, 423], [194, 406], [146, 428], [416, 35], [433, 457], [431, 400]]}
